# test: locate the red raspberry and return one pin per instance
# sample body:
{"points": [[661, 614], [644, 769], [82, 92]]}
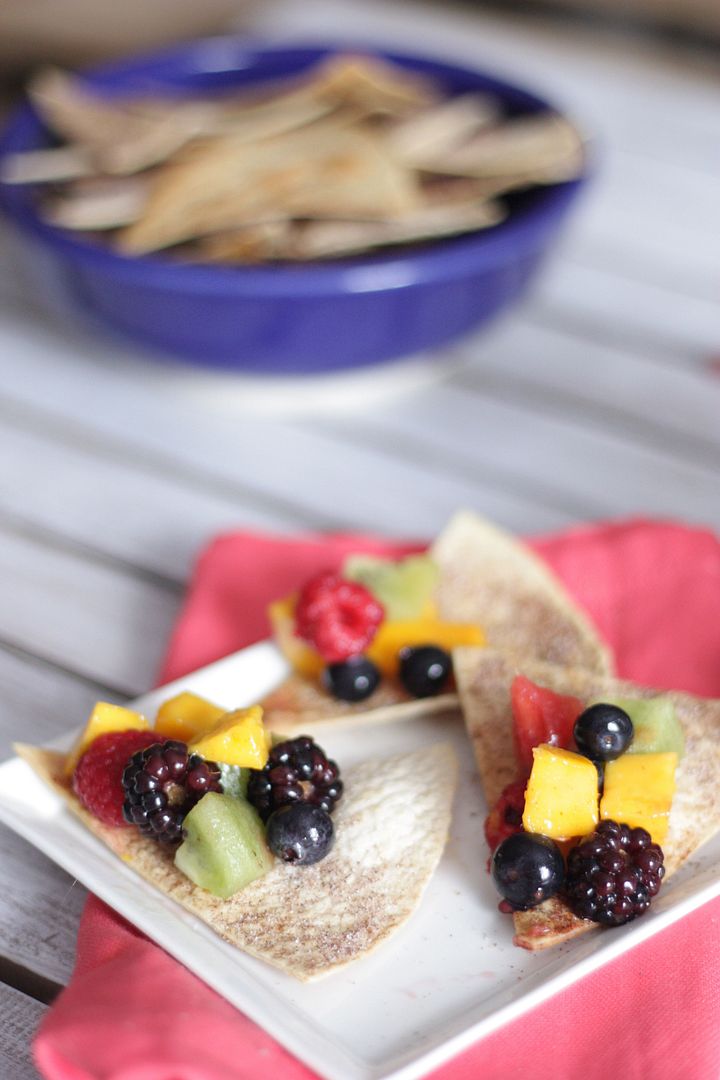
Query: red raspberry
{"points": [[97, 780], [505, 818], [337, 617]]}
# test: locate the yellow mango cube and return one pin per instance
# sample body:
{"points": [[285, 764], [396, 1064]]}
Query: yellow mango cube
{"points": [[104, 718], [239, 738], [391, 637], [383, 650], [186, 716], [301, 656], [638, 791], [561, 798]]}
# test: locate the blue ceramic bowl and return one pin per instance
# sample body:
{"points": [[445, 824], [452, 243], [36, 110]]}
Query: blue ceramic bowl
{"points": [[345, 313]]}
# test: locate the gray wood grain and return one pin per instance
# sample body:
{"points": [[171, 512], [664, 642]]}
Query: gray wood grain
{"points": [[20, 1018]]}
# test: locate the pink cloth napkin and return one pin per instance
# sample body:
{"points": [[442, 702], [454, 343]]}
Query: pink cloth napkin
{"points": [[131, 1012]]}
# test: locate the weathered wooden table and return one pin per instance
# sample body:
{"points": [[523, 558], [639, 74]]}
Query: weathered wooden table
{"points": [[601, 397]]}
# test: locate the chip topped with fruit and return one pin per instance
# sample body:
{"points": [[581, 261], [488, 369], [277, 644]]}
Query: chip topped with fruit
{"points": [[373, 637], [256, 834], [598, 789]]}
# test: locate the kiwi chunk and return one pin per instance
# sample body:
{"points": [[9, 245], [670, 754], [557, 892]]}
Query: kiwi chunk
{"points": [[224, 847], [404, 588], [234, 779], [656, 727]]}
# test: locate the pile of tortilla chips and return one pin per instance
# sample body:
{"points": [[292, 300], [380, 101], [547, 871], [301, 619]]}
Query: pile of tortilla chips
{"points": [[355, 155], [310, 921]]}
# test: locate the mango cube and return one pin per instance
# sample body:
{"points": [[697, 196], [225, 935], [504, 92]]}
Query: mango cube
{"points": [[186, 716], [392, 636], [104, 718], [239, 738], [561, 798], [639, 790], [301, 656]]}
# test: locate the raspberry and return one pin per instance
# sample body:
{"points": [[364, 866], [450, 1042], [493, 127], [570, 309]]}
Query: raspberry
{"points": [[614, 874], [97, 780], [162, 784], [505, 819], [337, 617], [297, 770]]}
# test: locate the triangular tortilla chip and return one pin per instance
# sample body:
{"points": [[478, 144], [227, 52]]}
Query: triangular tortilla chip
{"points": [[484, 678], [490, 578], [299, 704], [390, 827]]}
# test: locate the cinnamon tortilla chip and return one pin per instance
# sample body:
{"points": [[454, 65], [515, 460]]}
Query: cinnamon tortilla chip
{"points": [[322, 171], [490, 578], [299, 705], [390, 830], [484, 678]]}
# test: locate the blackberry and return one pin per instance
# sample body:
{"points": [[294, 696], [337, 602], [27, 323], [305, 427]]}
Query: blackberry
{"points": [[297, 770], [353, 679], [162, 784], [424, 670], [613, 874]]}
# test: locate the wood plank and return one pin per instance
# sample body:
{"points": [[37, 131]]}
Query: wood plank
{"points": [[609, 302], [600, 472], [21, 1016], [39, 910], [301, 472], [95, 619], [559, 373]]}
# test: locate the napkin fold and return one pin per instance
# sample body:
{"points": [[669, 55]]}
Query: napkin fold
{"points": [[131, 1012]]}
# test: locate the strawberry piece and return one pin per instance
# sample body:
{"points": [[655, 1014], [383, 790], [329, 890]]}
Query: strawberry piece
{"points": [[505, 818], [97, 780], [540, 716], [339, 618]]}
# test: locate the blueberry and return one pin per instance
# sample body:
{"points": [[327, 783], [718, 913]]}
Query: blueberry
{"points": [[300, 833], [353, 679], [527, 868], [603, 732], [424, 670]]}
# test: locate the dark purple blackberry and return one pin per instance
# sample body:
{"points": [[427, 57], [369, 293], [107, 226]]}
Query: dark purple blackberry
{"points": [[162, 784], [296, 771], [613, 874]]}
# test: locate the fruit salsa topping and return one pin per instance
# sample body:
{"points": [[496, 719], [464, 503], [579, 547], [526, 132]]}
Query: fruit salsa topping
{"points": [[613, 874], [300, 833], [540, 716], [372, 619], [297, 771], [226, 820], [162, 784], [603, 732], [425, 671], [608, 804], [97, 779], [505, 818], [353, 679], [336, 616], [527, 868]]}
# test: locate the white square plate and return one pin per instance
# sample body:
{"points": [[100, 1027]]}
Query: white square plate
{"points": [[447, 978]]}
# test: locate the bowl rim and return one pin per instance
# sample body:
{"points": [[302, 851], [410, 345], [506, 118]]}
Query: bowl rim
{"points": [[443, 259]]}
